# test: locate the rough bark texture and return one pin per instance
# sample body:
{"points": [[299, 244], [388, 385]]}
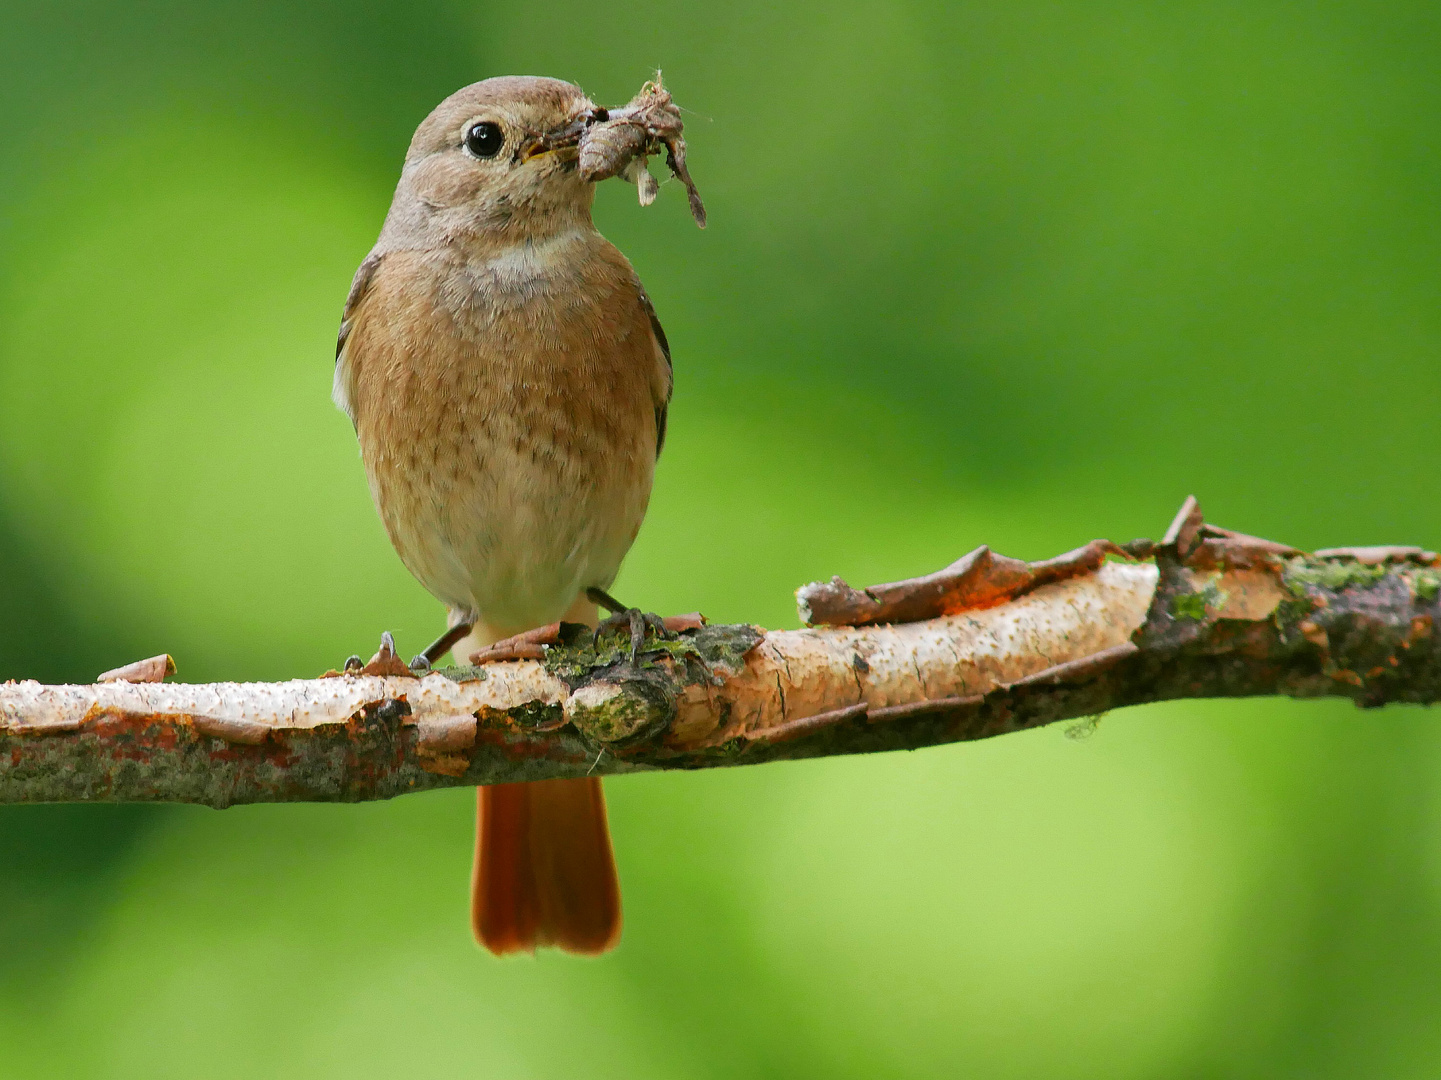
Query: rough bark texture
{"points": [[992, 645]]}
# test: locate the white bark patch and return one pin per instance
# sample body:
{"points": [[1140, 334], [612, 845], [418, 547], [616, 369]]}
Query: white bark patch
{"points": [[798, 673], [33, 708], [791, 675]]}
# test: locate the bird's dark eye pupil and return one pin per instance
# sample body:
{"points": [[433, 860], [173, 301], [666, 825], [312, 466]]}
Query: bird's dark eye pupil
{"points": [[484, 139]]}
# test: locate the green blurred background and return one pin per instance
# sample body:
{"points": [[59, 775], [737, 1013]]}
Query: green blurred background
{"points": [[1021, 273]]}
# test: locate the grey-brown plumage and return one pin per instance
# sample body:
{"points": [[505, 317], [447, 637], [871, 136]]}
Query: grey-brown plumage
{"points": [[508, 381], [504, 369]]}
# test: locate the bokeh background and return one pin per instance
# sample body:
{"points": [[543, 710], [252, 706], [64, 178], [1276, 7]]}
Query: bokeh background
{"points": [[1018, 273]]}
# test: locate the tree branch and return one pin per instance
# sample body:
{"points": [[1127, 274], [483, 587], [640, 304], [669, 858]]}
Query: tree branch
{"points": [[990, 645]]}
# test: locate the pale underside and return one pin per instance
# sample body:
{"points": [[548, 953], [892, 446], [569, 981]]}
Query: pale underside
{"points": [[507, 410]]}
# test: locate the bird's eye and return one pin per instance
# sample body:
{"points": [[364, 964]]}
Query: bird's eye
{"points": [[485, 139]]}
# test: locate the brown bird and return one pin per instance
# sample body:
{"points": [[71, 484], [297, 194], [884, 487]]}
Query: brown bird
{"points": [[508, 381]]}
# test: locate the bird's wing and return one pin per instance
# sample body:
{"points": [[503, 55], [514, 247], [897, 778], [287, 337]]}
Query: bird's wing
{"points": [[662, 400], [340, 389]]}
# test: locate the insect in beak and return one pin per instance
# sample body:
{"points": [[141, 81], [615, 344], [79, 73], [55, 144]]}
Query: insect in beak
{"points": [[564, 140]]}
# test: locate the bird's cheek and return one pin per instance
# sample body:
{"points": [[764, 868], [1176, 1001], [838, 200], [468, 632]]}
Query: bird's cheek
{"points": [[448, 183]]}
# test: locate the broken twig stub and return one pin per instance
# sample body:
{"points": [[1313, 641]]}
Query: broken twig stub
{"points": [[151, 669]]}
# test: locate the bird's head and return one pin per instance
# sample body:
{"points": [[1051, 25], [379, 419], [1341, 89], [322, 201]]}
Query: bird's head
{"points": [[496, 160]]}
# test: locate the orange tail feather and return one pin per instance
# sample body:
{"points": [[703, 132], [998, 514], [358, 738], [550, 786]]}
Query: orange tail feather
{"points": [[544, 872]]}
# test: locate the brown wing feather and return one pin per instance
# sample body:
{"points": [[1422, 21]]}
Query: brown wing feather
{"points": [[662, 407], [358, 285], [340, 391]]}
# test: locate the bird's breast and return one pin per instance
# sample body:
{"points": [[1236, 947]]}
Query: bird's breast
{"points": [[505, 410]]}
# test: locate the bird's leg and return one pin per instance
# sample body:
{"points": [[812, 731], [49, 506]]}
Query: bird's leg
{"points": [[622, 616], [440, 646]]}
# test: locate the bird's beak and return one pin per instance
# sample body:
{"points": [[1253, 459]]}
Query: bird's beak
{"points": [[564, 140]]}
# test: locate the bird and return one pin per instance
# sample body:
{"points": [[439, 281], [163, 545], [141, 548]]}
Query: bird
{"points": [[508, 381]]}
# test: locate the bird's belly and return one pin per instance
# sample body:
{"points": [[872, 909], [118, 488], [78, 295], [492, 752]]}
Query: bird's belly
{"points": [[509, 516]]}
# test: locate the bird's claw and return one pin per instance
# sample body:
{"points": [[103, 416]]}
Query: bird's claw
{"points": [[637, 622], [384, 662]]}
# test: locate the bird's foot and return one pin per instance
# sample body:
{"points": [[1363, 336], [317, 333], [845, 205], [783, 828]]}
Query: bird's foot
{"points": [[638, 623], [623, 617]]}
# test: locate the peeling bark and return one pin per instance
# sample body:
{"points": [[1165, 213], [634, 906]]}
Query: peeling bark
{"points": [[988, 646]]}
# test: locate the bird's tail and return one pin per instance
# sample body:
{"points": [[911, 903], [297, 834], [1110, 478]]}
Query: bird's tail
{"points": [[544, 872]]}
